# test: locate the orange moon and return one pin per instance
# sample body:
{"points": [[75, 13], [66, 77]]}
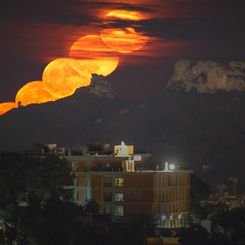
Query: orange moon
{"points": [[127, 39], [7, 106], [125, 15], [61, 77], [34, 92], [95, 55], [91, 54]]}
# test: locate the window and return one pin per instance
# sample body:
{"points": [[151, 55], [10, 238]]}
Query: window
{"points": [[108, 182], [118, 182], [108, 210], [119, 197], [118, 210], [107, 197], [88, 194], [87, 180]]}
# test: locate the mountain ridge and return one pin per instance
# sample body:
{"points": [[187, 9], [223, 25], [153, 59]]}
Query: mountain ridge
{"points": [[190, 128]]}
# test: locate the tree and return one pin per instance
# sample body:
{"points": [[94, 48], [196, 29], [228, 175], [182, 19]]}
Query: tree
{"points": [[28, 185], [23, 176], [231, 224], [199, 189], [193, 235], [92, 207]]}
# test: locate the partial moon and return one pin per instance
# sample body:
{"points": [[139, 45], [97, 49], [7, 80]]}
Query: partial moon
{"points": [[126, 39], [95, 55], [34, 92], [7, 106]]}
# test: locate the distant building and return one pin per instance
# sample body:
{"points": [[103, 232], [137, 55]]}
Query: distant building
{"points": [[126, 188], [227, 196], [161, 241], [232, 202]]}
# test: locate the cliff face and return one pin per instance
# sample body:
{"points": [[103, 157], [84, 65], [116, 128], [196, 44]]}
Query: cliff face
{"points": [[100, 87], [206, 76]]}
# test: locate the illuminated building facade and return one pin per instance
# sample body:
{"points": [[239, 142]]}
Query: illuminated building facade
{"points": [[125, 187]]}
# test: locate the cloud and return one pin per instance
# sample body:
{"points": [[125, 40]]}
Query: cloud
{"points": [[44, 30]]}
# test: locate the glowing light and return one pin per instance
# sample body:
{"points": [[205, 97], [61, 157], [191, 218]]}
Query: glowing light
{"points": [[127, 39], [171, 166], [91, 54], [90, 47], [125, 15], [163, 217], [95, 55], [7, 106], [34, 93], [124, 40], [61, 77], [102, 67]]}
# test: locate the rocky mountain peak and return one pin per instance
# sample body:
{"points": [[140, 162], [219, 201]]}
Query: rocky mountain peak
{"points": [[100, 87], [207, 76]]}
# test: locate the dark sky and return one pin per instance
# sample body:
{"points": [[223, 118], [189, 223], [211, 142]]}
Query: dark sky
{"points": [[33, 32]]}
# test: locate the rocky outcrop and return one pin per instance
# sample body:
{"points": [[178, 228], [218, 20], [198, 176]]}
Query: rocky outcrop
{"points": [[100, 87], [206, 76]]}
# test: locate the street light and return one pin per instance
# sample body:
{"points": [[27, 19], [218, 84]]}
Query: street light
{"points": [[171, 166]]}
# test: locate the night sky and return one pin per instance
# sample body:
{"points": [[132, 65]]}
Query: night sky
{"points": [[34, 32]]}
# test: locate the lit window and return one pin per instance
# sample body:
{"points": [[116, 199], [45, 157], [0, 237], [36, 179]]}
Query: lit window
{"points": [[119, 197], [88, 194], [118, 210], [118, 182]]}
